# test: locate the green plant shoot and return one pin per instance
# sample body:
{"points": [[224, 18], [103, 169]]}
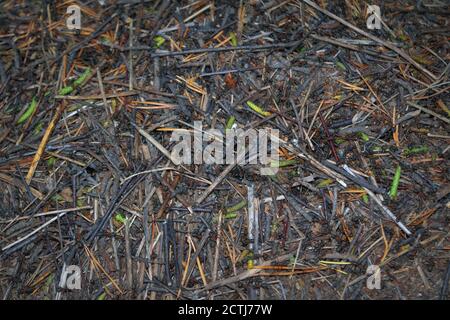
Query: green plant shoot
{"points": [[231, 120], [31, 108], [395, 182], [81, 79], [236, 207], [258, 109]]}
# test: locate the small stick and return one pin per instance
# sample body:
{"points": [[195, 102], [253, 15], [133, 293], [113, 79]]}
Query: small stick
{"points": [[246, 274], [128, 255], [102, 91], [114, 245], [43, 143], [39, 228], [219, 179], [434, 114], [251, 215], [330, 140], [194, 258], [251, 233], [99, 96], [209, 50], [159, 146], [130, 57], [388, 212], [348, 173], [313, 161], [216, 255], [42, 214], [444, 289]]}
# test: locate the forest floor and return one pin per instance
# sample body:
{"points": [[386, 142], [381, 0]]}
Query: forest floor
{"points": [[94, 203]]}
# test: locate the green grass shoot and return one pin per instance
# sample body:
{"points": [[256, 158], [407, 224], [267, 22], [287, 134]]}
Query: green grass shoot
{"points": [[65, 91], [233, 39], [415, 150], [258, 109], [395, 182], [30, 110], [120, 217], [158, 41], [236, 207], [231, 120], [230, 215], [364, 137], [81, 79], [282, 163], [324, 183]]}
